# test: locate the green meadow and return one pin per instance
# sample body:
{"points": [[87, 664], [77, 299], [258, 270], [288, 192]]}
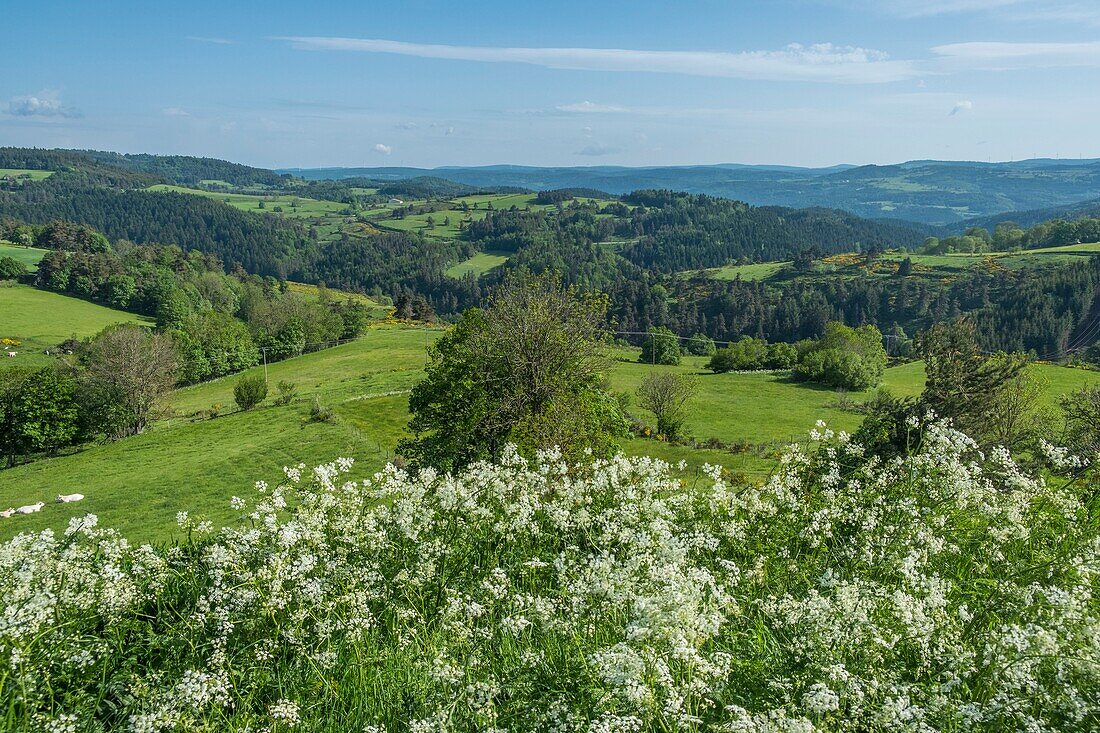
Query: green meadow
{"points": [[477, 265], [29, 256], [291, 206], [25, 173], [194, 462], [42, 320]]}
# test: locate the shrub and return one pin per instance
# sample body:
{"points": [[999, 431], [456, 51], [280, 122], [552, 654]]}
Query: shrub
{"points": [[321, 413], [700, 345], [662, 346], [287, 391], [250, 391], [852, 358], [923, 593], [666, 394], [748, 354], [782, 356], [11, 268]]}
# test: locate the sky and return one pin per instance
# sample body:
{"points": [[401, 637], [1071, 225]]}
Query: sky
{"points": [[567, 83]]}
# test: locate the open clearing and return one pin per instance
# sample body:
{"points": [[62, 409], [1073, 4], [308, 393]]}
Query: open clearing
{"points": [[29, 256], [25, 173], [477, 265]]}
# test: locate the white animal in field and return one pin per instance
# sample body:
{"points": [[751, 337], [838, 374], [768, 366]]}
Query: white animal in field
{"points": [[13, 354], [7, 513], [31, 508], [66, 498]]}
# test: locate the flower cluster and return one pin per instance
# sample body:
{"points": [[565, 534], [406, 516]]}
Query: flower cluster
{"points": [[940, 590]]}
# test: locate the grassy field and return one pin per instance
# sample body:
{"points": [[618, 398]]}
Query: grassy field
{"points": [[479, 264], [445, 222], [753, 272], [945, 265], [24, 173], [377, 310], [196, 463], [29, 256], [293, 207], [42, 320]]}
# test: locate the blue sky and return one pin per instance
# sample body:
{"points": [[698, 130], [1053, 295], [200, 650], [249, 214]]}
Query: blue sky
{"points": [[799, 82]]}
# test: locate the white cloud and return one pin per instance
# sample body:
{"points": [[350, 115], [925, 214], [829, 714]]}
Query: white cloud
{"points": [[591, 107], [43, 104], [383, 149], [597, 149], [821, 62], [999, 56], [175, 112], [963, 105], [208, 39]]}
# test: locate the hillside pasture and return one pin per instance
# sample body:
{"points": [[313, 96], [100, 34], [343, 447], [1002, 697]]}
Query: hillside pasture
{"points": [[25, 174], [42, 319], [29, 256], [377, 310], [292, 206], [477, 265], [196, 462]]}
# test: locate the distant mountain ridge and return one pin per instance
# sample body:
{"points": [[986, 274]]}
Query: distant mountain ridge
{"points": [[925, 191]]}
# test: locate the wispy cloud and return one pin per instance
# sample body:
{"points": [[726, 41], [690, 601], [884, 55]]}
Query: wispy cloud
{"points": [[823, 62], [209, 39], [383, 149], [963, 105], [995, 55], [1073, 11], [591, 108], [175, 112], [597, 149], [44, 104]]}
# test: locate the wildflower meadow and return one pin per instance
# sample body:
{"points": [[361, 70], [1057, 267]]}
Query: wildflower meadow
{"points": [[944, 589]]}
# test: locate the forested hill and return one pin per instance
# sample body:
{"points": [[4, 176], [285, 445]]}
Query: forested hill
{"points": [[115, 201], [188, 170]]}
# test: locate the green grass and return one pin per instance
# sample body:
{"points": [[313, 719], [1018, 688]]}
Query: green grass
{"points": [[29, 256], [479, 264], [306, 208], [139, 484], [194, 463], [753, 272], [377, 310], [25, 172], [42, 320], [453, 212]]}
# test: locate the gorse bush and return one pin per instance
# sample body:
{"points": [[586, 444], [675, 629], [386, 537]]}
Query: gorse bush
{"points": [[939, 590], [250, 391]]}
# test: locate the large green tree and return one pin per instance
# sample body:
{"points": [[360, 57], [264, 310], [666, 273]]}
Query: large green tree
{"points": [[965, 383], [529, 370], [38, 412]]}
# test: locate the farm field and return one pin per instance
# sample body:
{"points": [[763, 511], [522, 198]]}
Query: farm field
{"points": [[29, 256], [445, 222], [194, 463], [477, 265], [33, 175], [41, 320], [945, 265], [293, 207]]}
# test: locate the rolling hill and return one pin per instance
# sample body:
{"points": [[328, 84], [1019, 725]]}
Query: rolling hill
{"points": [[930, 192]]}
